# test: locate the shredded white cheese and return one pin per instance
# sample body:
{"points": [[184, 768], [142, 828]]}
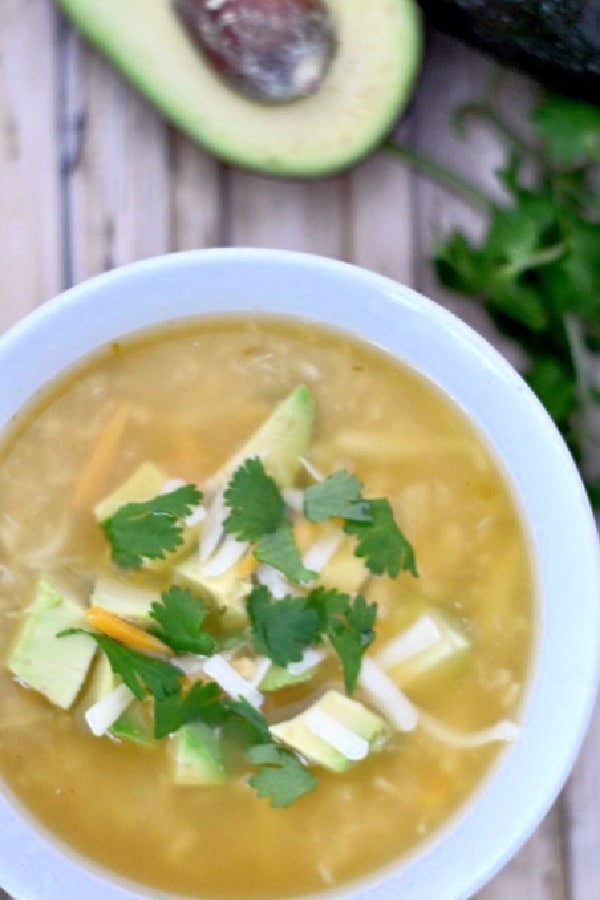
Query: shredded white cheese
{"points": [[274, 580], [421, 635], [320, 552], [311, 657], [312, 470], [502, 732], [213, 530], [294, 499], [387, 696], [106, 711], [217, 668], [228, 554], [338, 736]]}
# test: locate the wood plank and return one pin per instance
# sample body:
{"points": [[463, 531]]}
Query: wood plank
{"points": [[30, 252], [382, 233], [290, 215], [117, 190], [198, 188], [581, 799], [537, 872]]}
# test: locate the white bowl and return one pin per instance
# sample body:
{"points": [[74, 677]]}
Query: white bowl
{"points": [[545, 482]]}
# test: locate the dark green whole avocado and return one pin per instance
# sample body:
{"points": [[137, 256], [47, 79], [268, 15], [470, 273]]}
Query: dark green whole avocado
{"points": [[556, 41]]}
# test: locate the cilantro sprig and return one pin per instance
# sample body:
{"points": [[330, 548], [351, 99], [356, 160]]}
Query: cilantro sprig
{"points": [[257, 514], [180, 617], [349, 623], [381, 542], [536, 270], [141, 673], [149, 529], [338, 496], [281, 775], [255, 504], [283, 629]]}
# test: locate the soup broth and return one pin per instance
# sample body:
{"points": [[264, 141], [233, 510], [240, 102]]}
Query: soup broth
{"points": [[186, 398]]}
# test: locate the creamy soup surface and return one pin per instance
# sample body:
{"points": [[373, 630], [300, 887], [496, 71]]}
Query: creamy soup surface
{"points": [[189, 397]]}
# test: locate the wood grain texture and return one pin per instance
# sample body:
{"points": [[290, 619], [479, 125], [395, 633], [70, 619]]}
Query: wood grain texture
{"points": [[117, 187], [30, 248], [582, 818]]}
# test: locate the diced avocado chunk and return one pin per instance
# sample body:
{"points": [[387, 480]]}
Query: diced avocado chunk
{"points": [[198, 756], [280, 440], [55, 667], [344, 571], [223, 592], [277, 678], [135, 724], [349, 713], [450, 647], [124, 599], [145, 483]]}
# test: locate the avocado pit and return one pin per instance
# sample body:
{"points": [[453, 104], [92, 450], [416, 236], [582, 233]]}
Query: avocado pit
{"points": [[273, 51]]}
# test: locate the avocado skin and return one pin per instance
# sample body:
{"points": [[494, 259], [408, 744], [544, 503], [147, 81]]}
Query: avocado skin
{"points": [[556, 41]]}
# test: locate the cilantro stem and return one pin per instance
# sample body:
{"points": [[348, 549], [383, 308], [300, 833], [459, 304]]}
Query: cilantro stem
{"points": [[486, 112], [454, 182], [535, 261]]}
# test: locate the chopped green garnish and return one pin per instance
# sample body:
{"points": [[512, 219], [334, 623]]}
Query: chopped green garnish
{"points": [[282, 777], [282, 630], [535, 268], [338, 496], [139, 672], [249, 723], [256, 505], [180, 617], [280, 551], [380, 541], [349, 624], [151, 528], [202, 703]]}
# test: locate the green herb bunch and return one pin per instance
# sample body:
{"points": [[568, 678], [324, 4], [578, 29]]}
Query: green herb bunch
{"points": [[537, 268]]}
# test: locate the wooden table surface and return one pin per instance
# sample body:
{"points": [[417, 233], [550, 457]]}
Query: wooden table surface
{"points": [[91, 178]]}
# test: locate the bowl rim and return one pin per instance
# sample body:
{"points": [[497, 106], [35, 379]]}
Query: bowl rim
{"points": [[428, 325]]}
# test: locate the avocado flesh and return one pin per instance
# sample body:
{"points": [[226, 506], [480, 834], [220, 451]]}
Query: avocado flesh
{"points": [[39, 659], [365, 89], [280, 441]]}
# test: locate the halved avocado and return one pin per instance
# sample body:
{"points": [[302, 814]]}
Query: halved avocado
{"points": [[364, 91]]}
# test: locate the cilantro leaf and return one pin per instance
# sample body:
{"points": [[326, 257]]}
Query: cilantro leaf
{"points": [[282, 629], [281, 775], [248, 721], [570, 129], [256, 505], [280, 551], [139, 672], [349, 624], [202, 703], [151, 528], [337, 496], [180, 617], [381, 542]]}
